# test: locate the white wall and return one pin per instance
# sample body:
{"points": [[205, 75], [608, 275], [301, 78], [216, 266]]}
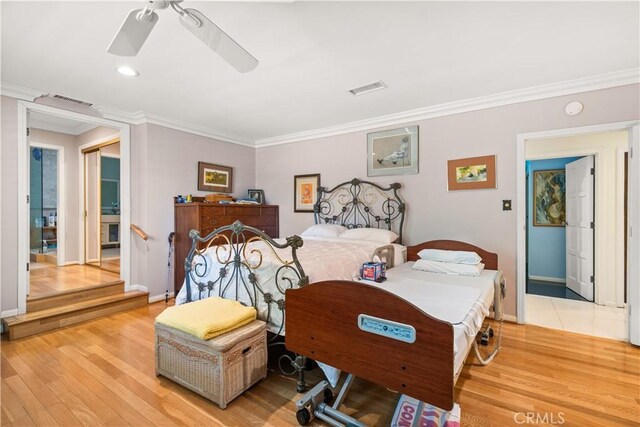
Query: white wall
{"points": [[474, 216], [164, 163], [9, 206]]}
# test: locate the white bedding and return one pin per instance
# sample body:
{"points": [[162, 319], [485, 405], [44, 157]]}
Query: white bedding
{"points": [[322, 258], [462, 301]]}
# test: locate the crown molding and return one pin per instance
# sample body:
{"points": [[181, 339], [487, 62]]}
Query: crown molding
{"points": [[19, 92], [197, 130], [586, 84]]}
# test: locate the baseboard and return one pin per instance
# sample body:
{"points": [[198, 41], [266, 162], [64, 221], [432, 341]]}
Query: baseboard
{"points": [[548, 279], [138, 288], [160, 297], [506, 317], [9, 313], [71, 263]]}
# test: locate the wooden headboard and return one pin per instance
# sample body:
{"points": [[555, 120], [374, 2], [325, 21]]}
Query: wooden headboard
{"points": [[489, 259], [361, 204]]}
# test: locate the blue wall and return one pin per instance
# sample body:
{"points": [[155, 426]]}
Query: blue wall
{"points": [[546, 251]]}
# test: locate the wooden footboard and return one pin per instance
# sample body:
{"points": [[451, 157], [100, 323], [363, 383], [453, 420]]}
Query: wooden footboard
{"points": [[322, 323]]}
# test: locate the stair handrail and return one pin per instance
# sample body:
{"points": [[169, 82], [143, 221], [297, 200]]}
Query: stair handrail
{"points": [[144, 236]]}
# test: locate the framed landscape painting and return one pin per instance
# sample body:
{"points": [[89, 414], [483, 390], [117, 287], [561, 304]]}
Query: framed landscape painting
{"points": [[472, 173], [214, 177]]}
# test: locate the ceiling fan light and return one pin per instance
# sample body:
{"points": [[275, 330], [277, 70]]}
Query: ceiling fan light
{"points": [[127, 71]]}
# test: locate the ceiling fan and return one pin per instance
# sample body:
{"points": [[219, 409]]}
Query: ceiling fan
{"points": [[139, 22]]}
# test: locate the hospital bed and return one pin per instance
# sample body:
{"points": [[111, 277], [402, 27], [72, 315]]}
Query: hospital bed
{"points": [[385, 333], [242, 263]]}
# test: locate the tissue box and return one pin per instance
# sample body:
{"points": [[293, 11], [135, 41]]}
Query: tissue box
{"points": [[412, 412], [373, 271]]}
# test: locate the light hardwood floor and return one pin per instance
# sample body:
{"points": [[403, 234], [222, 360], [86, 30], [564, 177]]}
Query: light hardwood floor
{"points": [[102, 373], [46, 278]]}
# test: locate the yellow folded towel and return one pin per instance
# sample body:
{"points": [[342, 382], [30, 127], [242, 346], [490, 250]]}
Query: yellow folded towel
{"points": [[207, 318]]}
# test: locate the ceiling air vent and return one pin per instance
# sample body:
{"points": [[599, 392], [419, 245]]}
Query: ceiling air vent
{"points": [[367, 88], [66, 103], [66, 98]]}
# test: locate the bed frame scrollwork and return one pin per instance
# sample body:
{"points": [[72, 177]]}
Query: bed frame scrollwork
{"points": [[236, 250], [361, 204]]}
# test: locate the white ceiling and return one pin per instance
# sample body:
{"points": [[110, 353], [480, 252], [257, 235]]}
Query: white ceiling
{"points": [[311, 53]]}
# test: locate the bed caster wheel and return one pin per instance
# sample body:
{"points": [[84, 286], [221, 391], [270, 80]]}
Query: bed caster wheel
{"points": [[484, 341], [303, 416], [328, 396], [491, 332]]}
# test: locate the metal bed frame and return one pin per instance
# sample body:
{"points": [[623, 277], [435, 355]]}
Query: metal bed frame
{"points": [[361, 204], [353, 204]]}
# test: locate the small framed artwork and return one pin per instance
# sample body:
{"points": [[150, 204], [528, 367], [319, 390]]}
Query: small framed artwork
{"points": [[257, 195], [549, 208], [472, 173], [305, 192], [214, 177], [393, 152]]}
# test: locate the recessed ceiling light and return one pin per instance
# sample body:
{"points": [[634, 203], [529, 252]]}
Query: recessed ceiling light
{"points": [[367, 88], [127, 71]]}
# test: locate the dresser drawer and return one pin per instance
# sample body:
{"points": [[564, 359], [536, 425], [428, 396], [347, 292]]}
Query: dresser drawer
{"points": [[237, 211]]}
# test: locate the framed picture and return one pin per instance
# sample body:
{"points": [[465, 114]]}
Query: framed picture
{"points": [[214, 177], [549, 198], [305, 192], [257, 195], [393, 152], [472, 173]]}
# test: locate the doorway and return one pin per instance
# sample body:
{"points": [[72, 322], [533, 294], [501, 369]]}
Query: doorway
{"points": [[68, 131], [102, 205], [592, 267], [552, 221]]}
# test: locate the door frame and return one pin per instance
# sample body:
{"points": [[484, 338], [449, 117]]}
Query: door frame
{"points": [[61, 201], [521, 193], [89, 147], [23, 190]]}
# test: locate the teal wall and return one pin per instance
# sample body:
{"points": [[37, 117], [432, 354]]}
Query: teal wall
{"points": [[109, 170]]}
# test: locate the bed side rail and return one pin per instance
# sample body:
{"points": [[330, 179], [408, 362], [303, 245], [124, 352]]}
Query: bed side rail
{"points": [[224, 264], [334, 322]]}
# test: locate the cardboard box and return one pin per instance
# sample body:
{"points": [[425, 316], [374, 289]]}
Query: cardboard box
{"points": [[411, 412]]}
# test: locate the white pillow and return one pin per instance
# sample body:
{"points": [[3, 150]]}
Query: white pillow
{"points": [[448, 267], [371, 234], [324, 230], [457, 257]]}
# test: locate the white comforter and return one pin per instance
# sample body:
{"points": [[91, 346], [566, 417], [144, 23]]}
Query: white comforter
{"points": [[321, 259]]}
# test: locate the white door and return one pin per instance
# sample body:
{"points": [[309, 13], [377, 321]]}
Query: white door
{"points": [[579, 227]]}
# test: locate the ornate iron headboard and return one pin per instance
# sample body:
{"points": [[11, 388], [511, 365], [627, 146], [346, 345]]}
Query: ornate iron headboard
{"points": [[361, 204], [225, 262]]}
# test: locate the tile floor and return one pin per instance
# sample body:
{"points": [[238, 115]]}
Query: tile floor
{"points": [[577, 316]]}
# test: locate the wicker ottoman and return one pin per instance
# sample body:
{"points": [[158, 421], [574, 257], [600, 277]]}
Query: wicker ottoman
{"points": [[219, 369]]}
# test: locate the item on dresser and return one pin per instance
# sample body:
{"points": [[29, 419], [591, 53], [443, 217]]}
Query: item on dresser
{"points": [[206, 217], [217, 198]]}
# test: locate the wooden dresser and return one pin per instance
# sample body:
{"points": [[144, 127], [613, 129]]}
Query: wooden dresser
{"points": [[206, 217]]}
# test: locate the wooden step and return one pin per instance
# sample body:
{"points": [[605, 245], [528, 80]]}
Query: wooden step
{"points": [[46, 320], [72, 296]]}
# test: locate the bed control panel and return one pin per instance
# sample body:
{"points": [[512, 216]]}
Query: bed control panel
{"points": [[387, 328]]}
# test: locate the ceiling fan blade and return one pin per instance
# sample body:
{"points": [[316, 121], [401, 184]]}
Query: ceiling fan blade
{"points": [[133, 32], [219, 41]]}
